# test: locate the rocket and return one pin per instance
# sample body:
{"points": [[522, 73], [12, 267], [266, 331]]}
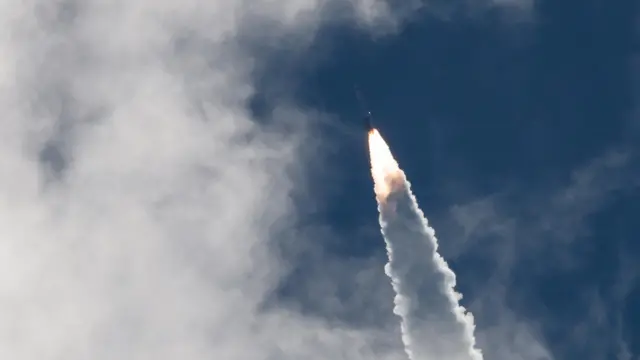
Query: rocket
{"points": [[366, 120]]}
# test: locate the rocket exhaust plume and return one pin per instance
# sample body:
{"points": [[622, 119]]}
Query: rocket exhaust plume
{"points": [[434, 326]]}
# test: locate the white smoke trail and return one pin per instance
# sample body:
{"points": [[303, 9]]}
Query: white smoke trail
{"points": [[434, 325]]}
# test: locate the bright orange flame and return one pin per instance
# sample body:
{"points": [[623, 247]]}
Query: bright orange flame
{"points": [[384, 169]]}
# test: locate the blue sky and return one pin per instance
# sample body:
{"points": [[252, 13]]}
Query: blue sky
{"points": [[519, 136], [190, 179]]}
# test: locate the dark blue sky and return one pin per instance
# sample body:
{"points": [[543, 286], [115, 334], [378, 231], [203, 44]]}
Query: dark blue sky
{"points": [[520, 141]]}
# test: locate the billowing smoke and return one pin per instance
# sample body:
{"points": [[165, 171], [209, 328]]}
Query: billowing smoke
{"points": [[434, 325], [138, 195]]}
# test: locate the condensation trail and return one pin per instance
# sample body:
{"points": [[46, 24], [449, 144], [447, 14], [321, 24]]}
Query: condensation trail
{"points": [[434, 326]]}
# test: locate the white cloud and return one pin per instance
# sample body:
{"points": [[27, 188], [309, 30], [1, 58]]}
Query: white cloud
{"points": [[152, 240], [149, 235]]}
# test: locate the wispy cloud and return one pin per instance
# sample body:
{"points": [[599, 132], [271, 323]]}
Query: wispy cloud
{"points": [[543, 232]]}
